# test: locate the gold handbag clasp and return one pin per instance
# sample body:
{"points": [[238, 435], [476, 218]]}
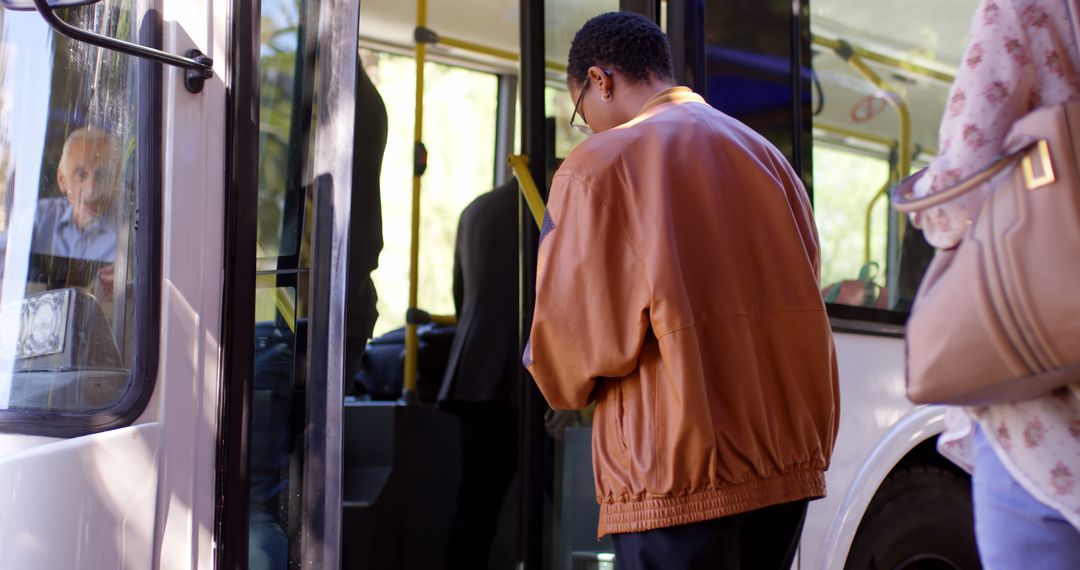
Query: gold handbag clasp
{"points": [[1038, 169]]}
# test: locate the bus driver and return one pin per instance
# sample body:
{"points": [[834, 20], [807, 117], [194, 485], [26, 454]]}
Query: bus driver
{"points": [[80, 224]]}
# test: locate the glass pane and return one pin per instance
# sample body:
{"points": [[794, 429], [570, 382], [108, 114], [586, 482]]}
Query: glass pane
{"points": [[276, 423], [748, 66], [280, 137], [69, 155], [460, 107], [281, 293], [870, 256]]}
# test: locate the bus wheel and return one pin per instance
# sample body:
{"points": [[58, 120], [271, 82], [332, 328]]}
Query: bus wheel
{"points": [[920, 519]]}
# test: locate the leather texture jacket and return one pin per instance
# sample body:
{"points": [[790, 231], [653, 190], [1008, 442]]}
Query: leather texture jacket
{"points": [[677, 287]]}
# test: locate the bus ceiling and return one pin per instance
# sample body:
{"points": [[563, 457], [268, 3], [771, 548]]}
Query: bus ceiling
{"points": [[198, 66]]}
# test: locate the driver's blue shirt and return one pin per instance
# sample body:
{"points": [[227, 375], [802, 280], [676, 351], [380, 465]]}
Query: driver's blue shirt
{"points": [[55, 233]]}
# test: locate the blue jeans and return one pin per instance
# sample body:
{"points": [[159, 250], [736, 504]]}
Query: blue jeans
{"points": [[1012, 528]]}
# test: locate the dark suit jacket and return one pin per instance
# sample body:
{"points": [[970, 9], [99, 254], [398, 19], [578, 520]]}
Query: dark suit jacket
{"points": [[365, 229], [484, 362]]}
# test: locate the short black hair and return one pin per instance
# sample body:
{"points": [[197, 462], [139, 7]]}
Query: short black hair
{"points": [[629, 42]]}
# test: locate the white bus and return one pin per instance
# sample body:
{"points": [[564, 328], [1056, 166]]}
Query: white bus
{"points": [[177, 211]]}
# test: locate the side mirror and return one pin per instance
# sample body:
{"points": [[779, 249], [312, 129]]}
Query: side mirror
{"points": [[29, 4]]}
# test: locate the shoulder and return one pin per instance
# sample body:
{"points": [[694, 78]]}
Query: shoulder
{"points": [[491, 203], [52, 208]]}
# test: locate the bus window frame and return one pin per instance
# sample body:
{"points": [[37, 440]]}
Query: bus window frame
{"points": [[147, 282]]}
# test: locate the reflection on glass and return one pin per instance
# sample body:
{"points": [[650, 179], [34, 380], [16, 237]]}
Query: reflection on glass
{"points": [[281, 291], [68, 179], [748, 66], [280, 146], [911, 50]]}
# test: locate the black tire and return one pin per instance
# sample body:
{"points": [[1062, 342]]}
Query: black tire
{"points": [[920, 519]]}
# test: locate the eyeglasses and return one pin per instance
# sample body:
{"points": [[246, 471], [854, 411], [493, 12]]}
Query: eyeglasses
{"points": [[584, 128]]}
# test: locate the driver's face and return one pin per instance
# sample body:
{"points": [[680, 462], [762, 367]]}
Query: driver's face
{"points": [[87, 177]]}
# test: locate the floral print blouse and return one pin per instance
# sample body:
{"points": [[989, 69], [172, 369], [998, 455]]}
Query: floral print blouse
{"points": [[1021, 55]]}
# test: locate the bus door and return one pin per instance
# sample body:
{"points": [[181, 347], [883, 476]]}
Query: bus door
{"points": [[293, 129]]}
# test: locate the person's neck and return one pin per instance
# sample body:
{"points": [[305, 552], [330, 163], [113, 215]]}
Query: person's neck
{"points": [[634, 98]]}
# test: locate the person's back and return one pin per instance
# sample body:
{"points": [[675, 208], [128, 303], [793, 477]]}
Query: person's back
{"points": [[720, 232], [480, 384], [483, 361], [677, 287]]}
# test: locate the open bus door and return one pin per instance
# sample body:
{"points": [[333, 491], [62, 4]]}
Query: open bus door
{"points": [[289, 214]]}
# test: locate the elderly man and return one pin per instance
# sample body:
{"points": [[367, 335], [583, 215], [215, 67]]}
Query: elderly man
{"points": [[81, 223]]}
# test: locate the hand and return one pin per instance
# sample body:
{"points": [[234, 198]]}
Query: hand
{"points": [[103, 285], [556, 421]]}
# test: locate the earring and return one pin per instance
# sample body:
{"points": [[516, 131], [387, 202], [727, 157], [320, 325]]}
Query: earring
{"points": [[606, 96]]}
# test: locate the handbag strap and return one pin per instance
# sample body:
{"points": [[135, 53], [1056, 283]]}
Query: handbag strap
{"points": [[1074, 18], [904, 199]]}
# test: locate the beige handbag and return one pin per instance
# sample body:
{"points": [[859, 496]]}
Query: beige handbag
{"points": [[997, 318]]}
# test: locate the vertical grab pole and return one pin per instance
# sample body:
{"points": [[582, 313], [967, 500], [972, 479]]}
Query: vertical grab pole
{"points": [[412, 344]]}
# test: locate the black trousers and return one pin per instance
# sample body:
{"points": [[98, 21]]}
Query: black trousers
{"points": [[765, 539], [489, 437]]}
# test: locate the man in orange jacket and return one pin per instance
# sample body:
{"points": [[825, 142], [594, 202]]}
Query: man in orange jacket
{"points": [[677, 287]]}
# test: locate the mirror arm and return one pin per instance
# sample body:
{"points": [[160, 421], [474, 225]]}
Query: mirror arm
{"points": [[199, 67]]}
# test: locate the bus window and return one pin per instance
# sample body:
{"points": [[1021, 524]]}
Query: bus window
{"points": [[879, 93], [72, 163], [459, 132]]}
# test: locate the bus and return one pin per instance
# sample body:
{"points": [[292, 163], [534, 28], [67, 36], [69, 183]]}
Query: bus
{"points": [[180, 200]]}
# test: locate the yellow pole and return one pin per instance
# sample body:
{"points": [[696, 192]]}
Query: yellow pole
{"points": [[412, 344], [520, 164], [869, 221]]}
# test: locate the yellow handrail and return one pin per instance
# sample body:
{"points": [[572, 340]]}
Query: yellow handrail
{"points": [[887, 60], [884, 192], [491, 51], [412, 343], [897, 101], [520, 165]]}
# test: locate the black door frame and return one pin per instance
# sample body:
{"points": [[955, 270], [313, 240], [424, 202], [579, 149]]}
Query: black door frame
{"points": [[238, 311]]}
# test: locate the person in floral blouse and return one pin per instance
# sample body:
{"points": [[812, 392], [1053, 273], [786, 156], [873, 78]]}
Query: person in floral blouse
{"points": [[1024, 456]]}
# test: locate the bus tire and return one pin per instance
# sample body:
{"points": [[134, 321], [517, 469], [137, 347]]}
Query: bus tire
{"points": [[921, 518]]}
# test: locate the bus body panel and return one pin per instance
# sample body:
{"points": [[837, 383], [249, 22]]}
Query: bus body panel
{"points": [[86, 502], [878, 427], [186, 397]]}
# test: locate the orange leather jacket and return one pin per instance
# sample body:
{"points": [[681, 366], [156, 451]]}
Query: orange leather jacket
{"points": [[677, 287]]}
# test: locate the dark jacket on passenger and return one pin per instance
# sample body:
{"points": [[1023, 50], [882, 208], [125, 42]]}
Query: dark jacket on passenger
{"points": [[365, 230], [484, 361]]}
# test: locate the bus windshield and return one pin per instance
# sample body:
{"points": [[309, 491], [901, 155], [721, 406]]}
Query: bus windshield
{"points": [[68, 174]]}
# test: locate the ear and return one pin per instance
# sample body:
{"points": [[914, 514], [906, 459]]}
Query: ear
{"points": [[61, 181], [602, 81]]}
